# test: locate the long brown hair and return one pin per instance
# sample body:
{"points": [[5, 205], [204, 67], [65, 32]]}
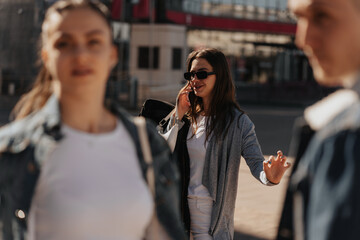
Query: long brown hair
{"points": [[222, 102], [42, 88]]}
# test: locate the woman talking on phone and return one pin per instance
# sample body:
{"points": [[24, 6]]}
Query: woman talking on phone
{"points": [[214, 134]]}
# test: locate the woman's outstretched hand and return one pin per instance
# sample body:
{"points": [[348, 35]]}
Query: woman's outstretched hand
{"points": [[275, 167]]}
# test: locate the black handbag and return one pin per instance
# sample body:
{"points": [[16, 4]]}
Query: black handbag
{"points": [[157, 110]]}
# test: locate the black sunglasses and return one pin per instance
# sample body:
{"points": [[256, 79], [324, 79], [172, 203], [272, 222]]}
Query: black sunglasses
{"points": [[200, 75]]}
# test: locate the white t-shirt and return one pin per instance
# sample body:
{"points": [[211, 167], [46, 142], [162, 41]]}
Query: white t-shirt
{"points": [[197, 152], [91, 188]]}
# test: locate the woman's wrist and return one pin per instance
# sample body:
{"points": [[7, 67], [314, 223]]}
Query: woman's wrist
{"points": [[179, 114]]}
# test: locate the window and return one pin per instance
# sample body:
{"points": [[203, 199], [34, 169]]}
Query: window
{"points": [[144, 58], [176, 58]]}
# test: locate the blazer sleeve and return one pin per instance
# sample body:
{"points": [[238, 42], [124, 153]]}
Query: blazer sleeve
{"points": [[251, 150]]}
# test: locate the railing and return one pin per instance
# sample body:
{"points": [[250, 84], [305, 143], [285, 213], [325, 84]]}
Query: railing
{"points": [[268, 10]]}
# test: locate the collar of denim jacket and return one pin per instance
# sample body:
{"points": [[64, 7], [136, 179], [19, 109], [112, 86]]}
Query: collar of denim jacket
{"points": [[325, 110], [17, 135]]}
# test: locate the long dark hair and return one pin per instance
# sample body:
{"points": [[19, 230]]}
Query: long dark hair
{"points": [[222, 105], [42, 88]]}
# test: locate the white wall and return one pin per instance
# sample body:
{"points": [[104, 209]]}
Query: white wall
{"points": [[164, 82]]}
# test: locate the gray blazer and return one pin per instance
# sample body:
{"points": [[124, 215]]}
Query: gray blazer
{"points": [[221, 170]]}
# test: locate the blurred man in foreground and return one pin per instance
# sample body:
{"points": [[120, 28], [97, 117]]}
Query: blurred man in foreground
{"points": [[323, 197]]}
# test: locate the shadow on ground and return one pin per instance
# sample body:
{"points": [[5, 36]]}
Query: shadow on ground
{"points": [[244, 236]]}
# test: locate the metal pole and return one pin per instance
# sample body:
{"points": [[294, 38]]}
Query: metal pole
{"points": [[121, 45], [151, 47], [0, 80]]}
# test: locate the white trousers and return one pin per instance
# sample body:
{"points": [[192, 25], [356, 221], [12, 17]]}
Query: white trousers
{"points": [[200, 216]]}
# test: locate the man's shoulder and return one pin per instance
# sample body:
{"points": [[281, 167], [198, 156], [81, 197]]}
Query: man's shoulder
{"points": [[346, 122], [335, 127], [336, 113], [325, 111], [339, 139]]}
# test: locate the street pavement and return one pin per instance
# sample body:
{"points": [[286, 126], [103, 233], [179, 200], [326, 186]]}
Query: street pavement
{"points": [[258, 207]]}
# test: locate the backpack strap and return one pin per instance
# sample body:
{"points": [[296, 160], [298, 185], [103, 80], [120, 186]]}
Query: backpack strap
{"points": [[140, 123]]}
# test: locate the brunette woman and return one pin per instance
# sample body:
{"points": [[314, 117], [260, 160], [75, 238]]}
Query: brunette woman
{"points": [[214, 134]]}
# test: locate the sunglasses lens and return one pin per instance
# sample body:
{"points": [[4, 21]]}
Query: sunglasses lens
{"points": [[187, 76], [201, 75]]}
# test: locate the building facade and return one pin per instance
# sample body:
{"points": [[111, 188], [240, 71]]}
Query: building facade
{"points": [[154, 38]]}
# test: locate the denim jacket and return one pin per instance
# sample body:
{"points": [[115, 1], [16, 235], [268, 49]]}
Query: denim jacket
{"points": [[322, 199], [27, 143]]}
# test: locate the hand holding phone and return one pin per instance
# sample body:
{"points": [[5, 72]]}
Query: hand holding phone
{"points": [[185, 98]]}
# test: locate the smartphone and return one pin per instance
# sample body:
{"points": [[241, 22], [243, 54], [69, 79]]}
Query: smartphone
{"points": [[192, 97]]}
